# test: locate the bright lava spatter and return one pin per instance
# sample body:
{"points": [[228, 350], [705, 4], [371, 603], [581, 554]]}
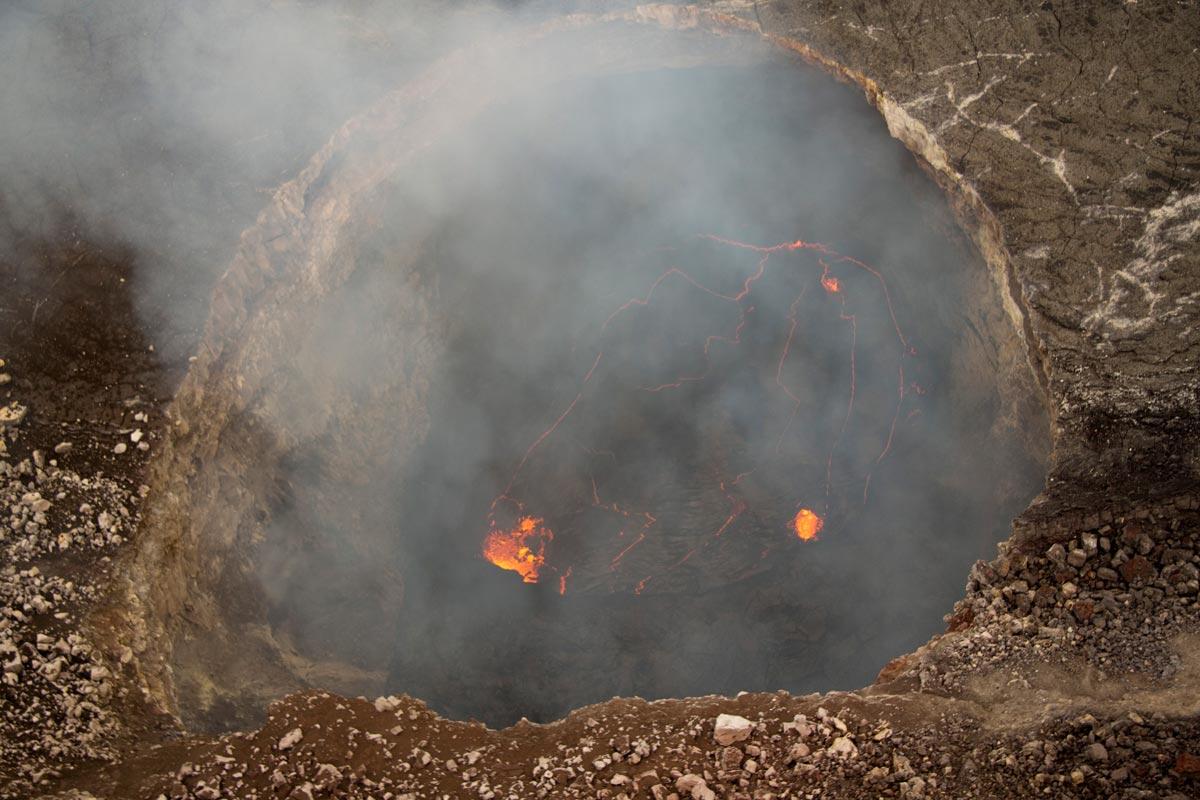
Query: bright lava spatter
{"points": [[521, 549], [807, 524], [520, 546]]}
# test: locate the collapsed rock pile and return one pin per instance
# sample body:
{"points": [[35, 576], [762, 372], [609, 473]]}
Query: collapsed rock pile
{"points": [[56, 688], [1114, 594], [52, 510]]}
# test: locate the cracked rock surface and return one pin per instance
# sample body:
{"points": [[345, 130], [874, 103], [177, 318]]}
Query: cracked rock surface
{"points": [[1075, 128]]}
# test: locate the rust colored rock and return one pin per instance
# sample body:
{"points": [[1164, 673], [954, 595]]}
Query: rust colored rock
{"points": [[1187, 764], [1084, 610], [1133, 529], [1136, 569], [893, 669], [960, 620], [1045, 595]]}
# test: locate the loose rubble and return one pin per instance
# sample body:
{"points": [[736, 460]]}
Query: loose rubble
{"points": [[1114, 594], [671, 750], [57, 689]]}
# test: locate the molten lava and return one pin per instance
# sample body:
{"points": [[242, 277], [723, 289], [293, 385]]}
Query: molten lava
{"points": [[807, 524], [521, 549]]}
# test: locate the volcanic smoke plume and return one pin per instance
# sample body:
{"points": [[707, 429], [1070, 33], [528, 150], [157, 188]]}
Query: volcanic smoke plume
{"points": [[668, 376], [702, 398]]}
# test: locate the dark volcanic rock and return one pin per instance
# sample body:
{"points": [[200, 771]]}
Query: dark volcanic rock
{"points": [[1075, 125]]}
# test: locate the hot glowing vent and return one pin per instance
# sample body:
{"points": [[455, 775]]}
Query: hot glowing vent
{"points": [[521, 548], [807, 524]]}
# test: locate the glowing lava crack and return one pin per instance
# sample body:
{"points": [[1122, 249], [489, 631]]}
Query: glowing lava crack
{"points": [[517, 539]]}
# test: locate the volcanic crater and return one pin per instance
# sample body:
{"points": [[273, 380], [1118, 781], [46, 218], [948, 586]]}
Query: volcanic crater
{"points": [[516, 419], [664, 351]]}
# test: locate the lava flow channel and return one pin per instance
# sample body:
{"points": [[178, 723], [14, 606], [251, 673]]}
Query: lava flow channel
{"points": [[520, 546]]}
